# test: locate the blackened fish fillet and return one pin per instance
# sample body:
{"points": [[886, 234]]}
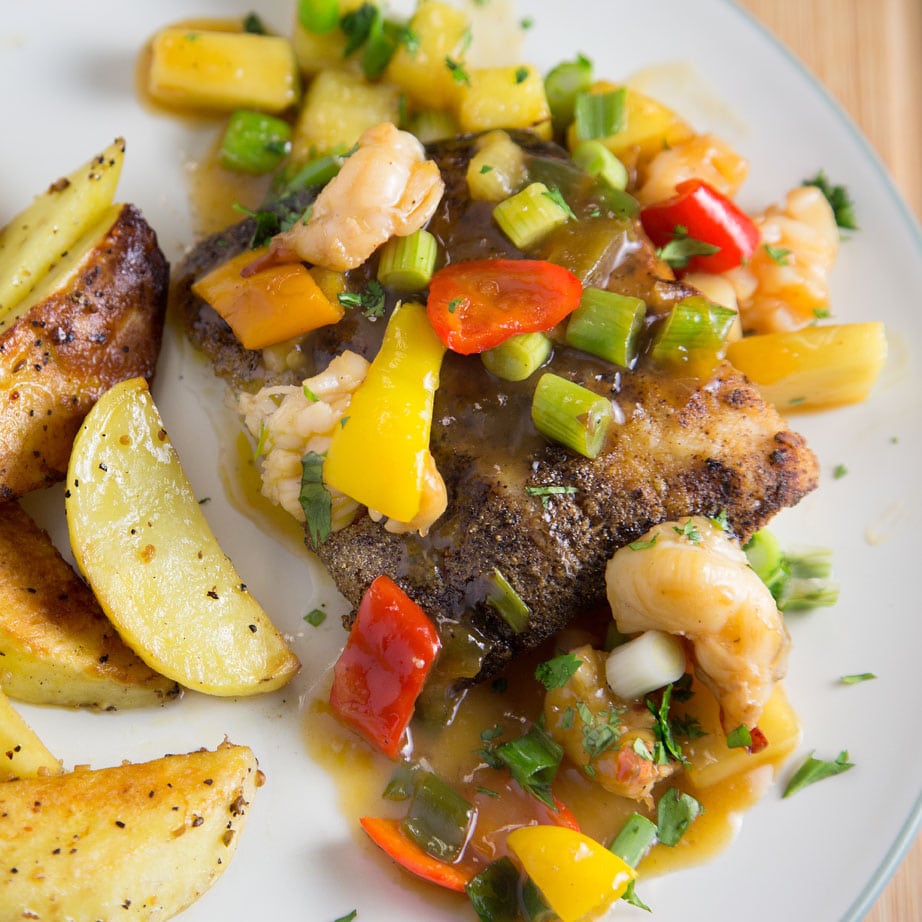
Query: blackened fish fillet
{"points": [[681, 445]]}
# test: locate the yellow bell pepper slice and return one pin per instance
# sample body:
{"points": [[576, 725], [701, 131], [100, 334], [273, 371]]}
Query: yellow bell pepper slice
{"points": [[575, 874], [379, 455], [271, 305], [815, 367]]}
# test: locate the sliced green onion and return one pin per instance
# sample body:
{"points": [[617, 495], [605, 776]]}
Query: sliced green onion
{"points": [[694, 327], [494, 892], [384, 38], [648, 662], [597, 160], [433, 125], [763, 551], [254, 142], [571, 414], [675, 812], [506, 602], [799, 581], [439, 818], [533, 760], [317, 172], [530, 215], [810, 563], [407, 263], [319, 16], [805, 594], [636, 838], [401, 783], [599, 115], [607, 324], [562, 85], [518, 357]]}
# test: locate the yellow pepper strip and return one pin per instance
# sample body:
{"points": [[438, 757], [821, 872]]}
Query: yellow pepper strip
{"points": [[815, 367], [379, 455], [271, 305], [575, 874]]}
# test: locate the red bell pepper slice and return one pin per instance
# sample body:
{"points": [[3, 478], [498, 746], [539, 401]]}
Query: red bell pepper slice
{"points": [[706, 215], [476, 305], [383, 666], [388, 836]]}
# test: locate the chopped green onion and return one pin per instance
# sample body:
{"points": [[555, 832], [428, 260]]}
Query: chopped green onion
{"points": [[857, 677], [318, 16], [636, 838], [384, 38], [675, 812], [533, 760], [254, 142], [316, 172], [357, 24], [573, 415], [562, 85], [407, 263], [530, 215], [315, 617], [599, 115], [597, 160], [763, 550], [494, 892], [519, 357], [506, 602], [695, 326], [650, 661], [798, 581], [607, 324], [814, 770], [439, 818]]}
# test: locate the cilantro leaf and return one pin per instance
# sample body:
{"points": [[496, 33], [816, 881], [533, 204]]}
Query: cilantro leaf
{"points": [[641, 545], [546, 492], [842, 205], [814, 770], [675, 812], [688, 530], [370, 301], [357, 25], [663, 727], [556, 672], [315, 500], [458, 73], [600, 731], [679, 251], [556, 196], [739, 738]]}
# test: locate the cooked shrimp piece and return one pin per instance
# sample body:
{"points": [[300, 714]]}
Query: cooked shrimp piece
{"points": [[691, 579], [612, 738], [386, 188]]}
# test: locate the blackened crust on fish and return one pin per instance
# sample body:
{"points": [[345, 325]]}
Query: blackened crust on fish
{"points": [[680, 446]]}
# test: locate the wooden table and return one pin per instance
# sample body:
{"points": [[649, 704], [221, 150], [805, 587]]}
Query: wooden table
{"points": [[868, 53]]}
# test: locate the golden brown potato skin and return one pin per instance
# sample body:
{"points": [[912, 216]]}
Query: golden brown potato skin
{"points": [[58, 358]]}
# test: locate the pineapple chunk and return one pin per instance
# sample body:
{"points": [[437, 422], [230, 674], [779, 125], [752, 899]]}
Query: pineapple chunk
{"points": [[813, 367], [338, 107], [26, 755], [497, 170], [503, 97], [712, 762], [422, 72], [201, 69]]}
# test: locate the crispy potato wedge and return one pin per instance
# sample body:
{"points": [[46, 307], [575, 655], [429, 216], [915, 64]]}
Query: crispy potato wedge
{"points": [[140, 538], [56, 644], [133, 842], [45, 231], [22, 753], [96, 319]]}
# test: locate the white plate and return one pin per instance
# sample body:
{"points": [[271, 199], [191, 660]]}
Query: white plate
{"points": [[68, 73]]}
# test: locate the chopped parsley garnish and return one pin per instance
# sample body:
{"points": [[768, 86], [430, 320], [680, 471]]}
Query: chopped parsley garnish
{"points": [[254, 25], [600, 731], [488, 752], [556, 196], [316, 617], [315, 500], [679, 251], [348, 917], [740, 738], [550, 490], [486, 168], [857, 677], [454, 304], [357, 25], [643, 545], [630, 896], [822, 313], [269, 223], [688, 530], [777, 254], [556, 672], [722, 521], [667, 746], [309, 395], [526, 23], [409, 39], [839, 471], [814, 770], [458, 73], [370, 301], [521, 74], [675, 812], [842, 205], [640, 747]]}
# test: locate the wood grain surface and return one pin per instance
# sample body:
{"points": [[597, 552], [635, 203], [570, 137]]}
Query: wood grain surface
{"points": [[868, 53]]}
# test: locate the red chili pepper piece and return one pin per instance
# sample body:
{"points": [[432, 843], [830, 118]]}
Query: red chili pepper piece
{"points": [[476, 305], [387, 835], [383, 666], [708, 216]]}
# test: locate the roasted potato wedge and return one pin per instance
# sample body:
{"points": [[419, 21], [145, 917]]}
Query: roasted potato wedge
{"points": [[140, 538], [96, 319], [22, 753], [133, 842], [43, 233], [56, 644]]}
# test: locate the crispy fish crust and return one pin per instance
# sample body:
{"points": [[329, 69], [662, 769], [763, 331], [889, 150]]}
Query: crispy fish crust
{"points": [[681, 446]]}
